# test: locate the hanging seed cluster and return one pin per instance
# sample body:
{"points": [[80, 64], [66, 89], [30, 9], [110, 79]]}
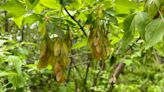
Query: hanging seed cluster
{"points": [[98, 40], [53, 53], [61, 59], [98, 43]]}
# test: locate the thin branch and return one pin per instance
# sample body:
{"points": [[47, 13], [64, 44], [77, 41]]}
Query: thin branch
{"points": [[115, 75], [118, 70], [86, 77], [78, 71], [76, 21], [69, 72], [6, 22], [79, 64], [160, 14]]}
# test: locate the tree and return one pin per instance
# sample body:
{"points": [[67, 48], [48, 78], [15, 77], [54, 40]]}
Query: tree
{"points": [[81, 46]]}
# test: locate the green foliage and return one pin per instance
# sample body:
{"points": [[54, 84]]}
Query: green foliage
{"points": [[134, 28], [14, 8], [154, 32]]}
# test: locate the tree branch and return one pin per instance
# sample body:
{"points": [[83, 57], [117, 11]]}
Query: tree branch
{"points": [[75, 21], [115, 75], [119, 69]]}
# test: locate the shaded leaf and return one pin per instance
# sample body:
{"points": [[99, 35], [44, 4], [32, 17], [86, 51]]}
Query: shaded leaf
{"points": [[141, 20], [154, 32], [31, 3], [32, 19], [129, 31], [152, 7], [17, 81]]}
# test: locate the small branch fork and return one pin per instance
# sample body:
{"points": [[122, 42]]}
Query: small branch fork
{"points": [[119, 69], [75, 21]]}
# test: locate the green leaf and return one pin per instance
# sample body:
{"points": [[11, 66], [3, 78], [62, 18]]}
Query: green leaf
{"points": [[159, 48], [154, 32], [16, 62], [22, 51], [42, 30], [152, 7], [3, 73], [133, 24], [17, 81], [63, 88], [38, 8], [128, 62], [124, 6], [31, 3], [67, 2], [32, 19], [53, 4], [129, 27], [80, 44], [14, 8], [141, 20], [18, 21]]}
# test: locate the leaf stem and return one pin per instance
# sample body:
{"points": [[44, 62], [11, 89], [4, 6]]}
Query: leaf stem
{"points": [[76, 21], [160, 14]]}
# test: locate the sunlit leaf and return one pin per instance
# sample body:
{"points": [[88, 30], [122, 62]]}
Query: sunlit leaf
{"points": [[3, 73], [31, 3], [16, 62], [42, 30], [124, 6], [128, 62], [18, 21], [14, 7], [80, 44], [38, 8], [53, 4]]}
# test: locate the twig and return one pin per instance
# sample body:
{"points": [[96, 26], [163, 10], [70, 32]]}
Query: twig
{"points": [[160, 14], [115, 75], [79, 64], [73, 64], [22, 34], [6, 22], [86, 77], [69, 72], [118, 70], [77, 70], [75, 21]]}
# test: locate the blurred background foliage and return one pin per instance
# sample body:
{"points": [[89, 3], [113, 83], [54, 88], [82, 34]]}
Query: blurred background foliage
{"points": [[134, 28]]}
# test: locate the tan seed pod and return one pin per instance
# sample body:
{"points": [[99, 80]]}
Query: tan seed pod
{"points": [[43, 48], [65, 49], [43, 62], [57, 48]]}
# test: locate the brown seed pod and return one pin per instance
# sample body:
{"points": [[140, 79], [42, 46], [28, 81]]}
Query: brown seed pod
{"points": [[98, 43], [61, 59]]}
